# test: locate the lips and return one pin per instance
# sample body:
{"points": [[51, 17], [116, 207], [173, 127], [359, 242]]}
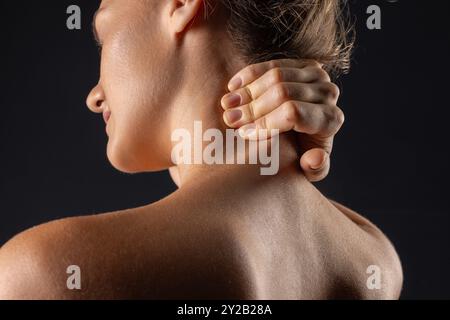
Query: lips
{"points": [[106, 116]]}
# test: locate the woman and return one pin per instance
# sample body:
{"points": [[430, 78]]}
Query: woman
{"points": [[228, 232]]}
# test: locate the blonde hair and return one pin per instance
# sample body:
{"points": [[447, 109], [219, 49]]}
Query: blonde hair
{"points": [[301, 29]]}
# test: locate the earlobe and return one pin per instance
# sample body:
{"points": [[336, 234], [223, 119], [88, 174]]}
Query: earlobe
{"points": [[183, 13]]}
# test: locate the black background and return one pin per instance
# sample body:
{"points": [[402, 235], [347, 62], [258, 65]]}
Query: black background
{"points": [[390, 161]]}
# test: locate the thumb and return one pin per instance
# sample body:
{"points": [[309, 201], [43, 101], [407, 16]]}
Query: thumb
{"points": [[315, 164]]}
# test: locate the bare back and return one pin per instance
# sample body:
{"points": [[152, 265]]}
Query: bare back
{"points": [[229, 236]]}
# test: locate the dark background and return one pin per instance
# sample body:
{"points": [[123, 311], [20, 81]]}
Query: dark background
{"points": [[390, 161]]}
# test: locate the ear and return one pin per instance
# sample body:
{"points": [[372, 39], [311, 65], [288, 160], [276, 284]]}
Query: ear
{"points": [[182, 13]]}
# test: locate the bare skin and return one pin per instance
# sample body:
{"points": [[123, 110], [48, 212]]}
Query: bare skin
{"points": [[208, 248], [227, 232]]}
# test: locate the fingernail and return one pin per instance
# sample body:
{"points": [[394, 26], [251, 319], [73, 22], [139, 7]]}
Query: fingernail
{"points": [[231, 100], [317, 163], [233, 115], [235, 84], [248, 131]]}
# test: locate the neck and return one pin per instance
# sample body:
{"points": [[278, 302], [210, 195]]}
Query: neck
{"points": [[276, 160], [198, 112]]}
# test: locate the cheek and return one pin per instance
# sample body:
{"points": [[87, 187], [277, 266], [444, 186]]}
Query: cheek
{"points": [[136, 88], [133, 75]]}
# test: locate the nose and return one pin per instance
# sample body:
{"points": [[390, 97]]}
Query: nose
{"points": [[96, 99]]}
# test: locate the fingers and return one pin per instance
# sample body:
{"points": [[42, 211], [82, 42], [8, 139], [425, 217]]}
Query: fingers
{"points": [[253, 72], [283, 95], [274, 77], [318, 93], [312, 119], [270, 79], [315, 164]]}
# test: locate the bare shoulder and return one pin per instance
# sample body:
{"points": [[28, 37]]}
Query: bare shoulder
{"points": [[378, 257], [144, 253], [27, 261]]}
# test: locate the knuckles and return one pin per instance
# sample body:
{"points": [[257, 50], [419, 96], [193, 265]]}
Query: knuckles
{"points": [[284, 93], [273, 64], [336, 119], [339, 116], [322, 75], [290, 112], [331, 91], [281, 92], [276, 75], [251, 72], [313, 63]]}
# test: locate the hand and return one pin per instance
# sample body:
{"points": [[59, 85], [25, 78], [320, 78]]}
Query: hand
{"points": [[288, 95]]}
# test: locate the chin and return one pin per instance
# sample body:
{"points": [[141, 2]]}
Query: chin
{"points": [[130, 160], [121, 158]]}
